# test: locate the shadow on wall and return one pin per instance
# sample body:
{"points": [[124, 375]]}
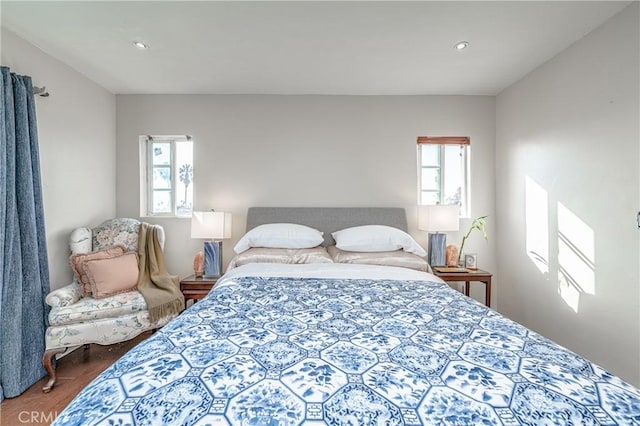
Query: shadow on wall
{"points": [[572, 258]]}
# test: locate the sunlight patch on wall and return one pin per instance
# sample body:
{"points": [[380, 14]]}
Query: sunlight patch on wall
{"points": [[576, 258], [537, 224]]}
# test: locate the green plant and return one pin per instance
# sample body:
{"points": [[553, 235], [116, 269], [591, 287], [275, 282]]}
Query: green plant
{"points": [[478, 223]]}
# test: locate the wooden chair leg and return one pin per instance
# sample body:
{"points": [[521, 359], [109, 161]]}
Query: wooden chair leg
{"points": [[47, 359]]}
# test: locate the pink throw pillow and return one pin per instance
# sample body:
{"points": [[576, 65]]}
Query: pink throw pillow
{"points": [[77, 261], [112, 275]]}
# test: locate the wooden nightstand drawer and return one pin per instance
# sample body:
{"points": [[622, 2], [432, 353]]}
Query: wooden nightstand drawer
{"points": [[467, 277], [196, 288]]}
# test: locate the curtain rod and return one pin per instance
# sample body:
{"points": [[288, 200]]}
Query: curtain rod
{"points": [[40, 91]]}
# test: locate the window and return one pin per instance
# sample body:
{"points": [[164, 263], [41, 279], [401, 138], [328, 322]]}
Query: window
{"points": [[443, 171], [166, 175]]}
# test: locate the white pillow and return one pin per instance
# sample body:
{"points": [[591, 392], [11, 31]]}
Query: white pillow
{"points": [[375, 238], [280, 235]]}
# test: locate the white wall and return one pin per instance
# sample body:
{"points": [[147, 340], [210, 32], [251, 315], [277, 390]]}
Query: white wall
{"points": [[337, 151], [567, 153], [76, 129]]}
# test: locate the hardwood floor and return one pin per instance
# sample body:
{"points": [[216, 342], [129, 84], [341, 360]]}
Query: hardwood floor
{"points": [[74, 372]]}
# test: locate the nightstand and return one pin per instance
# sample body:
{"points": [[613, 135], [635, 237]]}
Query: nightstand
{"points": [[467, 276], [196, 288]]}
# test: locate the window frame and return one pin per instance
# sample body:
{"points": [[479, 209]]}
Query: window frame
{"points": [[147, 167], [441, 142]]}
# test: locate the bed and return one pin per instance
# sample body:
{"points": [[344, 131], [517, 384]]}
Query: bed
{"points": [[347, 344]]}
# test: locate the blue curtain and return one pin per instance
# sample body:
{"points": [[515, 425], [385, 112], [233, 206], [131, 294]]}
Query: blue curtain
{"points": [[24, 273]]}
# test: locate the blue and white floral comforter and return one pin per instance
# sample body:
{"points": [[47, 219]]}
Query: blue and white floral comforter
{"points": [[349, 351]]}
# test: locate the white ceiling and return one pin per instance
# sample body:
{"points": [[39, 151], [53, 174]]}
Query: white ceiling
{"points": [[358, 48]]}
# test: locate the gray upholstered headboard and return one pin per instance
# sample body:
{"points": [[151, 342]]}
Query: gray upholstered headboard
{"points": [[328, 219]]}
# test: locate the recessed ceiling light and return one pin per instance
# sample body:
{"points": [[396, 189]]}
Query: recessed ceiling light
{"points": [[140, 45], [461, 45]]}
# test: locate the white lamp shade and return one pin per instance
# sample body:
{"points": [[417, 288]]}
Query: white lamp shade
{"points": [[439, 218], [211, 225]]}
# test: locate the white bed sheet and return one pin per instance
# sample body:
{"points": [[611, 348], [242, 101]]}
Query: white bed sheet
{"points": [[326, 270]]}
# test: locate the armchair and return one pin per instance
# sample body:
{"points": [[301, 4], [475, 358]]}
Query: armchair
{"points": [[75, 320]]}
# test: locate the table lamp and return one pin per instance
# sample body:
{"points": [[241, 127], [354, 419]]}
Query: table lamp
{"points": [[214, 226], [438, 219]]}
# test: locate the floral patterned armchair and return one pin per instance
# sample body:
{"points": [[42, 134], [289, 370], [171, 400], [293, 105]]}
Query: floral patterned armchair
{"points": [[75, 320]]}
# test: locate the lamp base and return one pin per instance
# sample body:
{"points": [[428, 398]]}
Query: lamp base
{"points": [[437, 249], [212, 259]]}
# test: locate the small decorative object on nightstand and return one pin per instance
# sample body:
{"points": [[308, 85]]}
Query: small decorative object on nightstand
{"points": [[471, 261], [198, 264], [196, 288], [452, 255]]}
